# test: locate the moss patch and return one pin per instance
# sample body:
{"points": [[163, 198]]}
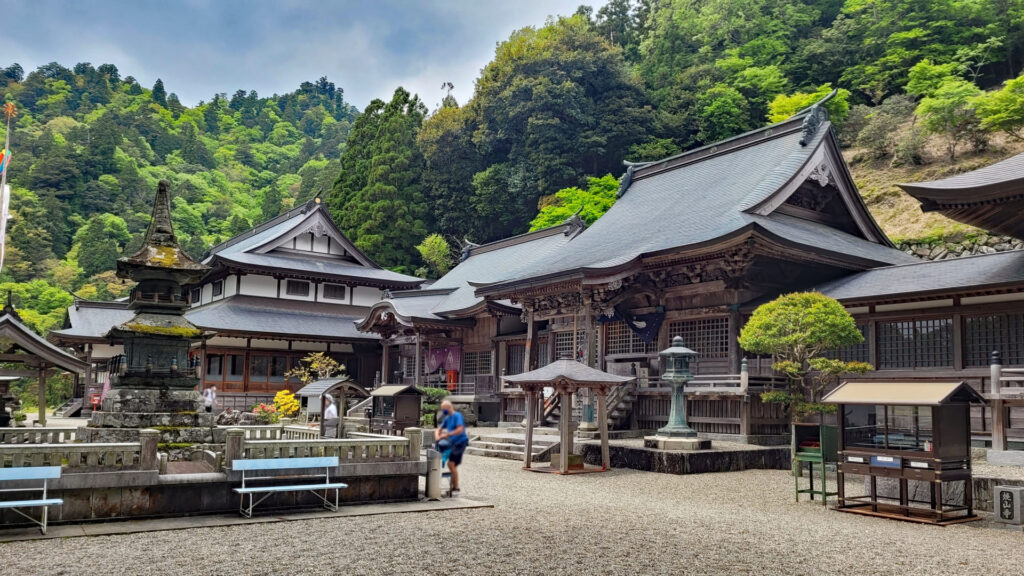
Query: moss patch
{"points": [[174, 445], [181, 331]]}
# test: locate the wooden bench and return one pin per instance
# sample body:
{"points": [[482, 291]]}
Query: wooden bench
{"points": [[264, 464], [43, 473]]}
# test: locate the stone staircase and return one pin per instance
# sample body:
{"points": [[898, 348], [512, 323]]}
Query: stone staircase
{"points": [[70, 408], [620, 407], [512, 445]]}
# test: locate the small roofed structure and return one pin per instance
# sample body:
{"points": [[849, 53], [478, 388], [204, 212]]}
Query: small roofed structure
{"points": [[311, 398], [566, 377], [395, 408], [20, 345], [991, 198], [917, 431]]}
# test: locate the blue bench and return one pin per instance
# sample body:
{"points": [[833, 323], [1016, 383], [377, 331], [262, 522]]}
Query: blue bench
{"points": [[265, 491], [43, 473]]}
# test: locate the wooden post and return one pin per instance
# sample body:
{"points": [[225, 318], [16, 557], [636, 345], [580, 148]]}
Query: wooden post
{"points": [[42, 395], [530, 358], [385, 363], [416, 364], [602, 418], [531, 416], [998, 409], [564, 435]]}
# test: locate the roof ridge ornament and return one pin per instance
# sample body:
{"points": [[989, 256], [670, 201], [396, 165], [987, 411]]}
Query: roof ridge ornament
{"points": [[817, 115], [467, 247], [625, 180], [574, 223]]}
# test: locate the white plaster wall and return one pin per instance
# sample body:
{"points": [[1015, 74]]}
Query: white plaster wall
{"points": [[226, 342], [231, 285], [257, 285], [310, 346], [365, 296], [320, 244], [302, 242], [207, 293], [337, 249], [101, 351], [270, 344], [341, 347]]}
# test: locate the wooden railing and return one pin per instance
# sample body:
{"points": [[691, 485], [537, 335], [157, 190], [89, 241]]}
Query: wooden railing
{"points": [[299, 433], [118, 456], [37, 435]]}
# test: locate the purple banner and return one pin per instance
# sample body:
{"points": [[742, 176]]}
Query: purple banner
{"points": [[448, 358]]}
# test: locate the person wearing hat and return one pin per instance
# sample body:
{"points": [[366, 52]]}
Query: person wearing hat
{"points": [[451, 435]]}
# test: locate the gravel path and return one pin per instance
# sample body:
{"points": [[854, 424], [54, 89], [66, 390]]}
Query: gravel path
{"points": [[622, 522]]}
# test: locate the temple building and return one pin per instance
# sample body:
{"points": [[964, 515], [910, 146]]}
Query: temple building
{"points": [[694, 243], [290, 286]]}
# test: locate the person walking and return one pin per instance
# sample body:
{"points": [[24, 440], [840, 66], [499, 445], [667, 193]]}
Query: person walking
{"points": [[451, 435], [210, 398]]}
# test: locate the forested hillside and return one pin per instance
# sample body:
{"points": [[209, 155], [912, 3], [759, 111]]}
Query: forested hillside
{"points": [[90, 145], [925, 88]]}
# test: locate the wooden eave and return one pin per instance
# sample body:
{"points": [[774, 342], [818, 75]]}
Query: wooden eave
{"points": [[222, 269]]}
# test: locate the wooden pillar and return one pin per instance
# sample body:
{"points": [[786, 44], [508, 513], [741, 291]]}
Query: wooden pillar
{"points": [[42, 395], [530, 357], [417, 362], [531, 415], [998, 408], [88, 375], [202, 365], [385, 363], [565, 435], [602, 417]]}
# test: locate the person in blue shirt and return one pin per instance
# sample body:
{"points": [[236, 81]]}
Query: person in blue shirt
{"points": [[451, 434]]}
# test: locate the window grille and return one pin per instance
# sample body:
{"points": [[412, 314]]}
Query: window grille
{"points": [[915, 343], [334, 292], [197, 296], [218, 288], [1002, 332], [708, 337], [476, 363], [542, 353], [853, 353], [563, 344], [297, 288], [622, 340], [515, 354]]}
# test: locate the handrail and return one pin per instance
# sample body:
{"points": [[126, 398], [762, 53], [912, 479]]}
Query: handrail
{"points": [[395, 448], [117, 455], [37, 435]]}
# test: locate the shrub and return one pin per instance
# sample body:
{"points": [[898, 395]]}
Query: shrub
{"points": [[286, 403], [909, 149], [879, 135], [266, 413]]}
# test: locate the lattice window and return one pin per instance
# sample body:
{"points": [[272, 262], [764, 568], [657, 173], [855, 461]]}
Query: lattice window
{"points": [[622, 340], [542, 353], [476, 363], [915, 343], [708, 337], [563, 344], [853, 353], [1002, 332], [515, 354]]}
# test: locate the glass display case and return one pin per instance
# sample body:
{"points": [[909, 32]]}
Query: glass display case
{"points": [[900, 435]]}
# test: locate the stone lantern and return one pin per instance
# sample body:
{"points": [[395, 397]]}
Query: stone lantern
{"points": [[677, 434]]}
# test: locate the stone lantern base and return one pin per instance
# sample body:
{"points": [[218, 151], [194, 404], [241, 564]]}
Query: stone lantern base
{"points": [[667, 443]]}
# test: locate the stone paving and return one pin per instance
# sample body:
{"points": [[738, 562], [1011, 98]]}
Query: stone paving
{"points": [[621, 522]]}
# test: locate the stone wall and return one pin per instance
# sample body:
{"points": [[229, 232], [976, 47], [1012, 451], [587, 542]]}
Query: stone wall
{"points": [[959, 244], [696, 462]]}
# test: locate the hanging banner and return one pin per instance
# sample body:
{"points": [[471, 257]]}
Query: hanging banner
{"points": [[645, 326], [447, 358]]}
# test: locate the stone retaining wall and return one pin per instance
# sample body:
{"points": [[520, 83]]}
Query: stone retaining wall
{"points": [[958, 244], [696, 462]]}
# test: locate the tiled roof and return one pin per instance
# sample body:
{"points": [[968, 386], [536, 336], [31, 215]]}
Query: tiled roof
{"points": [[321, 267], [1009, 170], [279, 318], [686, 201], [934, 276], [92, 320]]}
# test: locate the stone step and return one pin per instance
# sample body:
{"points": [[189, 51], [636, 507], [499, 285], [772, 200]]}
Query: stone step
{"points": [[538, 440], [521, 448], [503, 454]]}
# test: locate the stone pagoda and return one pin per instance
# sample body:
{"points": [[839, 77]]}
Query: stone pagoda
{"points": [[155, 385]]}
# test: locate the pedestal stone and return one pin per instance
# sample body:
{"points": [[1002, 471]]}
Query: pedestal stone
{"points": [[665, 443]]}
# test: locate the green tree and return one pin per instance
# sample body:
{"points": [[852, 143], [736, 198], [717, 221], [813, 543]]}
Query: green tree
{"points": [[722, 113], [193, 150], [796, 330], [100, 243], [947, 113], [1003, 109], [436, 252], [591, 203], [378, 198], [784, 106], [159, 94]]}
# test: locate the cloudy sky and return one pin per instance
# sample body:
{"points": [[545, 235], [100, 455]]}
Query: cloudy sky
{"points": [[201, 47]]}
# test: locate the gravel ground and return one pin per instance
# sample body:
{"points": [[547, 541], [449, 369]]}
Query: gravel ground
{"points": [[621, 522]]}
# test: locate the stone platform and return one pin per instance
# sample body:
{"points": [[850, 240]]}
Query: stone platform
{"points": [[174, 427], [722, 457]]}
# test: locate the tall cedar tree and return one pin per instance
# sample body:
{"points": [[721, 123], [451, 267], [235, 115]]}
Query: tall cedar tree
{"points": [[378, 198], [159, 93]]}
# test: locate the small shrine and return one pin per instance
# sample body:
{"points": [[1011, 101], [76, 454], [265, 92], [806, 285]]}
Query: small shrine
{"points": [[155, 386]]}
